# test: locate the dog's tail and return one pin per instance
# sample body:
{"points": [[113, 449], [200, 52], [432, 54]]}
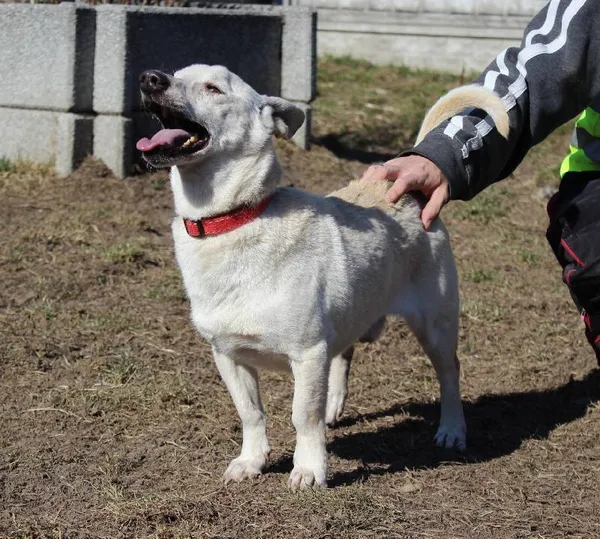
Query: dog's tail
{"points": [[459, 99]]}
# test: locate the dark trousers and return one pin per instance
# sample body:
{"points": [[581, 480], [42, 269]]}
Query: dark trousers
{"points": [[574, 235]]}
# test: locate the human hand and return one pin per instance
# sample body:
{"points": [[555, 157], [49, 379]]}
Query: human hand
{"points": [[414, 173]]}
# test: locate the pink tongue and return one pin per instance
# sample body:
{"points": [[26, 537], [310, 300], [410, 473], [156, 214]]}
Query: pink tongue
{"points": [[165, 137]]}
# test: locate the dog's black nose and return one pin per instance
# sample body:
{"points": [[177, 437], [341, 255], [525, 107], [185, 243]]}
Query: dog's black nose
{"points": [[153, 82]]}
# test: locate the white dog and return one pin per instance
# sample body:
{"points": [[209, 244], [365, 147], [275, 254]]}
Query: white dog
{"points": [[282, 278]]}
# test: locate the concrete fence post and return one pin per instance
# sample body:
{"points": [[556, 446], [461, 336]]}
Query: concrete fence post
{"points": [[271, 48], [70, 71], [46, 98]]}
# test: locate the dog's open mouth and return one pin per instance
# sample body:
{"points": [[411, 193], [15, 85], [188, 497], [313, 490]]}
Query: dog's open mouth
{"points": [[179, 135]]}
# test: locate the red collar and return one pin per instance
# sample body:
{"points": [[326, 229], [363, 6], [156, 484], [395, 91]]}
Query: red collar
{"points": [[226, 222]]}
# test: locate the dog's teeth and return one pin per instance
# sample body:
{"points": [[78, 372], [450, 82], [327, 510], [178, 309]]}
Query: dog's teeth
{"points": [[192, 140]]}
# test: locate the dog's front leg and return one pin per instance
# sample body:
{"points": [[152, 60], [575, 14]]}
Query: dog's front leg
{"points": [[242, 383], [308, 416]]}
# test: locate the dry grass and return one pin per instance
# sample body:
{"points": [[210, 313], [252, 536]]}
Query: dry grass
{"points": [[114, 422]]}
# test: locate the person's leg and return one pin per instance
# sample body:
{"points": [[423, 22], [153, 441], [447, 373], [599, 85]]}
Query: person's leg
{"points": [[574, 235]]}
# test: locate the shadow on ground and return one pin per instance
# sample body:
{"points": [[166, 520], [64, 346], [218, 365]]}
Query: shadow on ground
{"points": [[334, 142], [498, 425]]}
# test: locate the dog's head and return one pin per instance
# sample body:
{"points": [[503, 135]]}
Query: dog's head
{"points": [[208, 110]]}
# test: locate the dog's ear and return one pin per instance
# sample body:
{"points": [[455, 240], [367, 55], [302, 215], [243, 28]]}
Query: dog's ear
{"points": [[281, 117]]}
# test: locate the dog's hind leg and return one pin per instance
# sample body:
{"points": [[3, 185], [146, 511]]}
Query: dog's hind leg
{"points": [[433, 318], [339, 371], [242, 383], [338, 386]]}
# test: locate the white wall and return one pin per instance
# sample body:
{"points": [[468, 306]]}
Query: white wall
{"points": [[472, 7], [448, 35]]}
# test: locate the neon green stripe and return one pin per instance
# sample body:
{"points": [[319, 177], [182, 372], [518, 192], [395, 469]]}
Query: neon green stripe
{"points": [[590, 121], [577, 160]]}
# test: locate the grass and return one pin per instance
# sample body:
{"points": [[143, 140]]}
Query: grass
{"points": [[478, 275], [125, 252], [486, 207], [121, 369], [48, 310], [548, 177], [6, 165], [374, 108]]}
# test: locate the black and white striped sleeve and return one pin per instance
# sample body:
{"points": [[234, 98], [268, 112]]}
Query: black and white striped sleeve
{"points": [[545, 82]]}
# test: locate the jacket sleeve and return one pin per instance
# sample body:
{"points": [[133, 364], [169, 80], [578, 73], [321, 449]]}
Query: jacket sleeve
{"points": [[545, 82]]}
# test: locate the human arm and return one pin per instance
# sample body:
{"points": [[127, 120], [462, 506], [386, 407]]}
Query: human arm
{"points": [[549, 79]]}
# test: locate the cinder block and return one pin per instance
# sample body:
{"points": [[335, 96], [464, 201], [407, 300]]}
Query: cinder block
{"points": [[483, 7], [271, 48], [352, 4], [314, 4], [60, 139], [318, 4], [132, 39], [396, 5], [113, 143], [421, 40], [28, 135], [298, 52], [47, 56], [450, 6], [407, 5], [510, 7], [75, 135]]}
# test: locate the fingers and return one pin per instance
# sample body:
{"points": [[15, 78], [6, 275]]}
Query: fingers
{"points": [[390, 173], [402, 186], [433, 208], [413, 173], [380, 173]]}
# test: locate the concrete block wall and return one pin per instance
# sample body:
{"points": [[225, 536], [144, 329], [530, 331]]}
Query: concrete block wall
{"points": [[526, 8], [449, 35], [62, 139], [132, 39], [273, 50], [71, 71], [454, 43], [46, 69]]}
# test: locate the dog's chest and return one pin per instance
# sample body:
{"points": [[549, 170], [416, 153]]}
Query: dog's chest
{"points": [[221, 302], [227, 299], [234, 315]]}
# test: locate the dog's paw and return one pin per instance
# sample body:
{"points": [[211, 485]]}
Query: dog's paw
{"points": [[302, 478], [243, 468], [335, 407], [452, 437]]}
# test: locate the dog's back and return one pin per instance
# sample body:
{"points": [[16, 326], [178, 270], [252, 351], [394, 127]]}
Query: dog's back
{"points": [[369, 194], [406, 211], [372, 194]]}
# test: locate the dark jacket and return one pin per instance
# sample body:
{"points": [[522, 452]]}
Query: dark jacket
{"points": [[551, 78]]}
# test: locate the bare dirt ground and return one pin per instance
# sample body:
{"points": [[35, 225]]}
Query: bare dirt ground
{"points": [[114, 422]]}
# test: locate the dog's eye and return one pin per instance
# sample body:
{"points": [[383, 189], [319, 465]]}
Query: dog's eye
{"points": [[210, 87]]}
